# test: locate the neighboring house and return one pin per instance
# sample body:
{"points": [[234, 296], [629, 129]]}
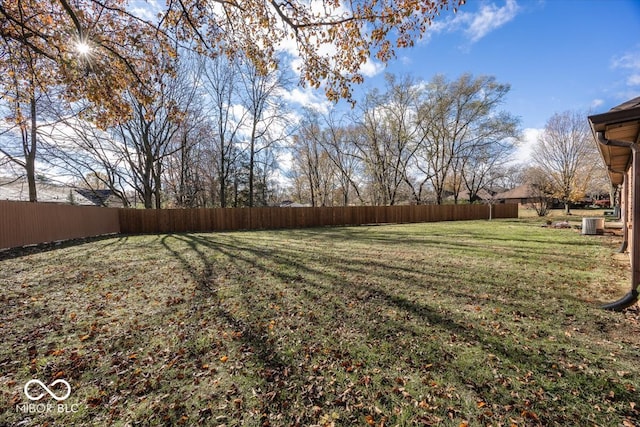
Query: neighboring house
{"points": [[55, 193], [482, 196], [292, 204], [617, 133], [528, 195], [523, 195], [100, 197]]}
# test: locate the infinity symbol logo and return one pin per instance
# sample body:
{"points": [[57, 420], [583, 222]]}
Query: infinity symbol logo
{"points": [[47, 389]]}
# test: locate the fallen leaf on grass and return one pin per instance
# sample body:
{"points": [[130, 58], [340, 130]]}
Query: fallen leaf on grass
{"points": [[15, 399], [94, 401], [57, 352], [530, 415]]}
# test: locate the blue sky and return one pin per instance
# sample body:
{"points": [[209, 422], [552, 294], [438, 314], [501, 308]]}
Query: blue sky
{"points": [[557, 55]]}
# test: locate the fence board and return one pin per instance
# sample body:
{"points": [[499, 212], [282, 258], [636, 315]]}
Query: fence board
{"points": [[24, 223], [134, 221]]}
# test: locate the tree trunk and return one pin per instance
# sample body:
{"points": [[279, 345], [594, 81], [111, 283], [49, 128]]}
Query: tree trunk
{"points": [[252, 154], [223, 181], [147, 197], [158, 185], [30, 154]]}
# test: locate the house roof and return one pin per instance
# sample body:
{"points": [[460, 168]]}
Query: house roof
{"points": [[616, 130], [482, 194], [523, 191], [97, 197], [53, 193]]}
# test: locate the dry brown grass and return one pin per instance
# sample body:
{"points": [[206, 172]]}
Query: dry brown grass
{"points": [[483, 323]]}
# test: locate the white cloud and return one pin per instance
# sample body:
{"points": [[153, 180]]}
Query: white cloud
{"points": [[371, 68], [489, 18], [406, 60], [476, 25], [525, 148], [627, 61], [289, 46], [306, 97], [596, 103], [633, 80], [147, 10]]}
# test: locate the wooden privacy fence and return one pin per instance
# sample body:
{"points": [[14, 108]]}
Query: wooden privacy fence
{"points": [[24, 223], [134, 221]]}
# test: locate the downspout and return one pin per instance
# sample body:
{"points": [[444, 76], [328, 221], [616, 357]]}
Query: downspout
{"points": [[623, 214], [632, 297], [625, 187]]}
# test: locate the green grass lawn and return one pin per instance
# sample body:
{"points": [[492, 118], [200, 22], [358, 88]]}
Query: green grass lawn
{"points": [[466, 323]]}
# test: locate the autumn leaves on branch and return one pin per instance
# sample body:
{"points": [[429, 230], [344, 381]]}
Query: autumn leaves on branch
{"points": [[121, 45]]}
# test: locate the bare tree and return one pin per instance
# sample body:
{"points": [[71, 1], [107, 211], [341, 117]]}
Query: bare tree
{"points": [[147, 139], [312, 165], [23, 92], [338, 143], [266, 117], [184, 172], [540, 188], [220, 77], [20, 134], [484, 166], [459, 119], [567, 154], [89, 155], [132, 154], [387, 141], [509, 176], [414, 137]]}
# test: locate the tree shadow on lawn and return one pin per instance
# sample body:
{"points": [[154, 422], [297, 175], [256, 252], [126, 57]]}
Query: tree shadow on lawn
{"points": [[12, 253], [273, 369], [493, 281], [480, 292], [508, 353], [531, 248], [464, 229], [348, 333]]}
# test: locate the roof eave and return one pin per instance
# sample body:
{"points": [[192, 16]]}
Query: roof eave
{"points": [[623, 127], [600, 122]]}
